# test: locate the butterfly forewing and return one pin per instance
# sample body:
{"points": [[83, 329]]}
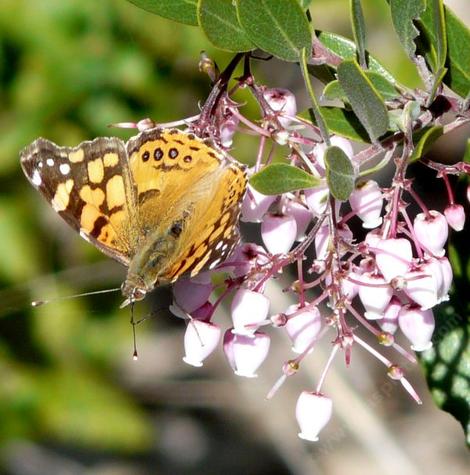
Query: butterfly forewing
{"points": [[194, 180], [166, 194], [90, 187]]}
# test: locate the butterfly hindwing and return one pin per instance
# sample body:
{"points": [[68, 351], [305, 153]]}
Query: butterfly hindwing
{"points": [[90, 187]]}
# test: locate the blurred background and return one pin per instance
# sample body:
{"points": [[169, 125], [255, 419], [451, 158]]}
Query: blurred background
{"points": [[72, 401]]}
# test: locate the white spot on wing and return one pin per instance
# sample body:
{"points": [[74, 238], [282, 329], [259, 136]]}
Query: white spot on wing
{"points": [[36, 178], [50, 162], [40, 164], [214, 264], [64, 168], [219, 245]]}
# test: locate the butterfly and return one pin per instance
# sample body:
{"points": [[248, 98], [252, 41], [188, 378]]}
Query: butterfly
{"points": [[165, 204]]}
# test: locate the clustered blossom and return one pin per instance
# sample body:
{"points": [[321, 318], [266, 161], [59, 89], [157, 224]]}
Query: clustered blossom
{"points": [[373, 265]]}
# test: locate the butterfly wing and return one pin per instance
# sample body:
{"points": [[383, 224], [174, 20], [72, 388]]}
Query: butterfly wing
{"points": [[90, 187], [183, 180]]}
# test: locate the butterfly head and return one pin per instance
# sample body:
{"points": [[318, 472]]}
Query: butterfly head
{"points": [[134, 289]]}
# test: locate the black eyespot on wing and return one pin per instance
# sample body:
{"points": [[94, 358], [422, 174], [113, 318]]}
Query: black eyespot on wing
{"points": [[173, 153], [158, 154], [145, 156]]}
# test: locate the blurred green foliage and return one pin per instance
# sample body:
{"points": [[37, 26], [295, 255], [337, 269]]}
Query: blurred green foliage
{"points": [[67, 70]]}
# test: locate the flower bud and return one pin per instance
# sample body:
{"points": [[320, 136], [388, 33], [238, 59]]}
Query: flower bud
{"points": [[302, 215], [278, 232], [366, 201], [418, 326], [200, 340], [313, 411], [303, 327], [245, 257], [246, 354], [249, 309], [255, 205], [228, 127], [389, 322], [447, 275], [191, 295], [282, 101], [375, 297], [431, 231], [393, 257], [422, 286], [455, 216], [317, 199]]}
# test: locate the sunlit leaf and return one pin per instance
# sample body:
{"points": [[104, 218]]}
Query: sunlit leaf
{"points": [[280, 178], [340, 174], [383, 86], [342, 122], [278, 27], [218, 19], [364, 98], [182, 11], [403, 13]]}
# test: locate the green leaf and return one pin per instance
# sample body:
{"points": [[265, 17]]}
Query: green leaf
{"points": [[424, 141], [280, 178], [384, 87], [346, 49], [279, 27], [403, 13], [341, 122], [359, 30], [458, 49], [182, 11], [218, 19], [447, 363], [466, 156], [340, 174], [364, 98], [458, 55]]}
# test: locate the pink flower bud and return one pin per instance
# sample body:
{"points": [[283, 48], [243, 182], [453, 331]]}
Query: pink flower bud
{"points": [[468, 193], [246, 354], [200, 340], [302, 215], [447, 275], [249, 309], [190, 295], [282, 101], [227, 130], [322, 240], [366, 201], [278, 232], [393, 257], [422, 285], [455, 215], [245, 257], [303, 327], [418, 326], [373, 238], [432, 232], [255, 205], [317, 199], [313, 411], [375, 297], [389, 322]]}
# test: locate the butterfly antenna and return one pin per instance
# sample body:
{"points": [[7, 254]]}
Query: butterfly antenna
{"points": [[38, 303], [135, 355]]}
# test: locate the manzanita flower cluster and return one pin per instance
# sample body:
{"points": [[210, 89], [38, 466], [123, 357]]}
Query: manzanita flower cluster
{"points": [[364, 261]]}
